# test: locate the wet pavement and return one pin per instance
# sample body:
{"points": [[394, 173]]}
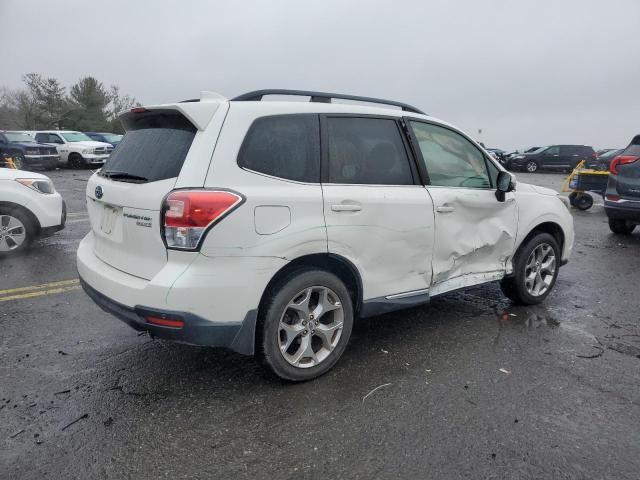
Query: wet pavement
{"points": [[470, 386]]}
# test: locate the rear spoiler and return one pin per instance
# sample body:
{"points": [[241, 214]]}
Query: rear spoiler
{"points": [[199, 113]]}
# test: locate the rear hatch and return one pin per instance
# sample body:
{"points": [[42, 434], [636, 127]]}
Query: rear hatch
{"points": [[628, 171], [125, 198]]}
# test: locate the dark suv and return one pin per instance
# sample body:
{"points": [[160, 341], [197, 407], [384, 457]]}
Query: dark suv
{"points": [[622, 198], [553, 156], [26, 152]]}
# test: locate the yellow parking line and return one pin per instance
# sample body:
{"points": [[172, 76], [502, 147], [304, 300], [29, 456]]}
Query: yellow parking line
{"points": [[39, 293], [44, 286]]}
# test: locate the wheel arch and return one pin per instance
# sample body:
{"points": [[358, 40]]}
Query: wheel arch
{"points": [[28, 213], [552, 228], [344, 269]]}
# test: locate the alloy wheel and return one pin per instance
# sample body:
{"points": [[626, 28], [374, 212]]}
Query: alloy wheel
{"points": [[12, 233], [540, 269], [531, 166], [310, 326]]}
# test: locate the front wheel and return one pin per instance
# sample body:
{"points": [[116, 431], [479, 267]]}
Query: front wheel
{"points": [[531, 166], [620, 227], [535, 270], [305, 325], [16, 231], [18, 161]]}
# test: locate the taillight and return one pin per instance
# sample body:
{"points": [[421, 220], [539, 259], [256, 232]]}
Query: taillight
{"points": [[188, 215], [165, 322], [621, 160]]}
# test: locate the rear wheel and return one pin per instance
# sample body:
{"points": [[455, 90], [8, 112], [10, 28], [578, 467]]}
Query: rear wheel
{"points": [[621, 227], [535, 269], [305, 325], [76, 161], [531, 166], [16, 231]]}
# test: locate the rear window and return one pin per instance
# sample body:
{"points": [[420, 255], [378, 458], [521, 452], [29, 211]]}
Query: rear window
{"points": [[634, 148], [284, 146], [154, 147], [367, 151]]}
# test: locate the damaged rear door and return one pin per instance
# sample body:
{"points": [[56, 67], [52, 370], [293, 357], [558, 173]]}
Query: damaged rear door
{"points": [[474, 232]]}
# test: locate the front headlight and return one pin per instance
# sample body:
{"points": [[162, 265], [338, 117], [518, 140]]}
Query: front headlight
{"points": [[518, 157], [87, 150], [38, 184]]}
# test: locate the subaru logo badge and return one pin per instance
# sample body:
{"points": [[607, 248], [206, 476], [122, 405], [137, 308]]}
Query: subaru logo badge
{"points": [[99, 192]]}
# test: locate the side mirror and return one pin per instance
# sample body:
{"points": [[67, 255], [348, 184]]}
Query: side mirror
{"points": [[505, 183]]}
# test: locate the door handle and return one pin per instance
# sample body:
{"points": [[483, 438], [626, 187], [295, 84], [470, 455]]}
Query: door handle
{"points": [[346, 207], [445, 209]]}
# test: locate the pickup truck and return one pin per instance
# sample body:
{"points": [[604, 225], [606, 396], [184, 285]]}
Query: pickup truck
{"points": [[26, 152], [76, 149]]}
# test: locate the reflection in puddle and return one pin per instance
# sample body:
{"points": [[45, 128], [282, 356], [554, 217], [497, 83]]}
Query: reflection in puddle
{"points": [[534, 320]]}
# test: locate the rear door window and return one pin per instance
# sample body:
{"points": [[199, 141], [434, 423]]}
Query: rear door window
{"points": [[367, 151], [284, 146], [154, 147]]}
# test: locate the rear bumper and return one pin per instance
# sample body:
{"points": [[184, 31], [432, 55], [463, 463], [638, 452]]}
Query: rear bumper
{"points": [[629, 210], [196, 331]]}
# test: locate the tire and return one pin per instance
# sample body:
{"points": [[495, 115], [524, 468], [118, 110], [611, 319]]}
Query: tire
{"points": [[287, 321], [582, 201], [572, 198], [520, 287], [620, 227], [76, 161], [19, 161], [17, 231], [531, 166]]}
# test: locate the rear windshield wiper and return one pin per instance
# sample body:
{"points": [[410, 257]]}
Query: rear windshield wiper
{"points": [[124, 176]]}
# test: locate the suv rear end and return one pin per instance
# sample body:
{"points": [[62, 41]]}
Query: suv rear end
{"points": [[178, 228], [622, 198]]}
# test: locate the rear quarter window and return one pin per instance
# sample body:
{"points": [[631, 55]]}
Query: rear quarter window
{"points": [[154, 147], [283, 146]]}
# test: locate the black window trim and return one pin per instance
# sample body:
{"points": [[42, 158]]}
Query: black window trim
{"points": [[422, 166], [282, 179], [324, 148]]}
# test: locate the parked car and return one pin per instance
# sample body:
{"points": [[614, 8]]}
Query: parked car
{"points": [[507, 156], [269, 227], [30, 208], [112, 138], [604, 159], [75, 148], [622, 198], [496, 153], [26, 153], [553, 156]]}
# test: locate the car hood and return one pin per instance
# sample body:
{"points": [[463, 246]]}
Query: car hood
{"points": [[90, 144], [527, 187], [11, 174]]}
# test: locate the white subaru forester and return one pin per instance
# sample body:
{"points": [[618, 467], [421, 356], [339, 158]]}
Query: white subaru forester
{"points": [[268, 227]]}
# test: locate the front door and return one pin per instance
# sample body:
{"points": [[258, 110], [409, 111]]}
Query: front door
{"points": [[474, 232], [377, 214], [551, 158]]}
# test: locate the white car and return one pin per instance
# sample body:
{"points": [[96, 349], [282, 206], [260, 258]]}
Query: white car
{"points": [[30, 208], [76, 149], [269, 227]]}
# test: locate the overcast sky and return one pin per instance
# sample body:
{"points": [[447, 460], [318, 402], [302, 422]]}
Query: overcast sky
{"points": [[527, 72]]}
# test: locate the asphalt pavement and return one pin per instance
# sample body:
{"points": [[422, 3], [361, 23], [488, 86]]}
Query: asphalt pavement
{"points": [[468, 386]]}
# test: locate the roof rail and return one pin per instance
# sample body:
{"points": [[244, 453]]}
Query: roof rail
{"points": [[322, 97]]}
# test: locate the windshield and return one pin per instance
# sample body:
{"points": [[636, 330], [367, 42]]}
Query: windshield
{"points": [[111, 137], [537, 150], [76, 137], [531, 149], [18, 137]]}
